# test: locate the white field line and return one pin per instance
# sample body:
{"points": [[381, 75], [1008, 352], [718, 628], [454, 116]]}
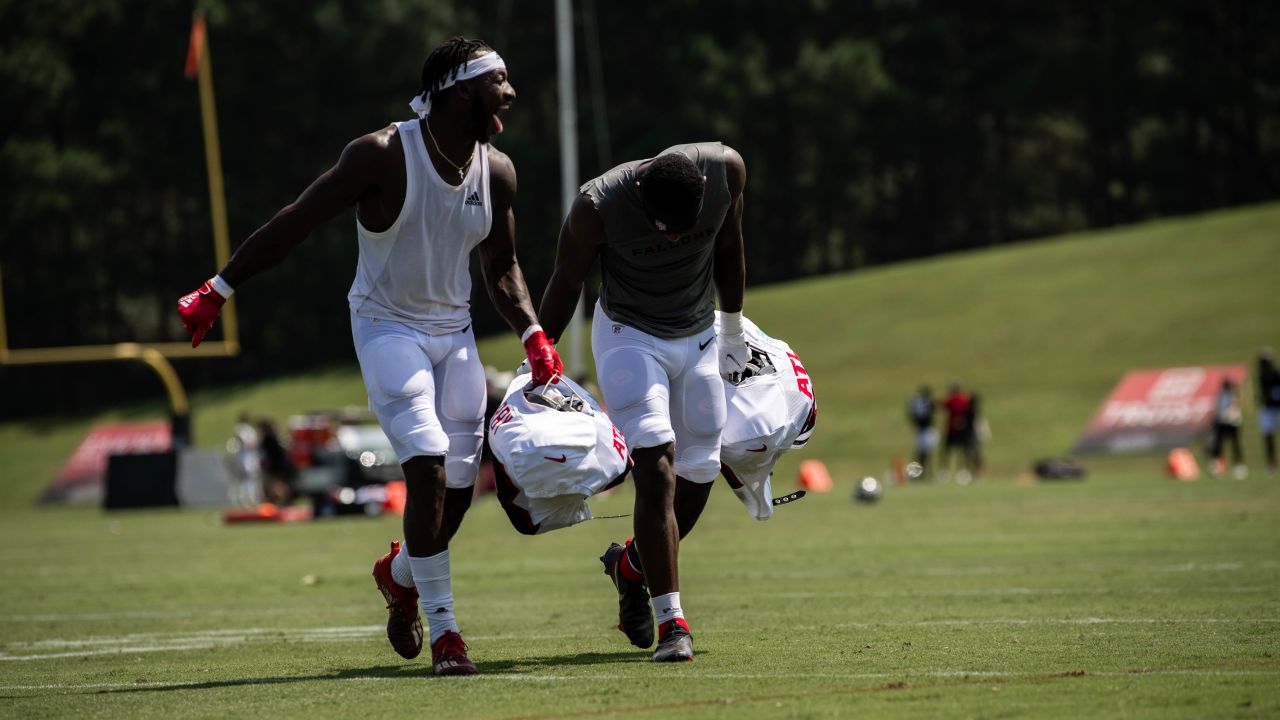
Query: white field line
{"points": [[694, 676], [239, 634], [980, 592], [1063, 621], [203, 640], [1183, 567], [113, 651], [164, 642], [998, 592], [165, 614]]}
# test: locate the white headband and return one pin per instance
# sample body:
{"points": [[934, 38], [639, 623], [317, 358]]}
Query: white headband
{"points": [[475, 67]]}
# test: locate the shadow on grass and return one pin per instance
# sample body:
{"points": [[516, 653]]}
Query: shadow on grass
{"points": [[525, 665]]}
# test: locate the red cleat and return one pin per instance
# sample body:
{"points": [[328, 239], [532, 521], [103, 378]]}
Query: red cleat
{"points": [[404, 626], [449, 656]]}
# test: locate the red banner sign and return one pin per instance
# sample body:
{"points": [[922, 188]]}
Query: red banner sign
{"points": [[1157, 409], [81, 478]]}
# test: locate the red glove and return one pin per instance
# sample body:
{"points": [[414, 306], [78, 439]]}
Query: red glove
{"points": [[543, 358], [199, 309]]}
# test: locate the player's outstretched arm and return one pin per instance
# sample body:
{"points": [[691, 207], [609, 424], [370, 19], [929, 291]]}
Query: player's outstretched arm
{"points": [[580, 239], [358, 169], [503, 278]]}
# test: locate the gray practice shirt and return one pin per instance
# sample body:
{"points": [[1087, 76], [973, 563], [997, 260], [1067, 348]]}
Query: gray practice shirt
{"points": [[652, 283]]}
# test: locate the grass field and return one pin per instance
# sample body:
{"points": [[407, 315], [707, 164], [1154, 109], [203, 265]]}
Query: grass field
{"points": [[1129, 596], [1125, 595]]}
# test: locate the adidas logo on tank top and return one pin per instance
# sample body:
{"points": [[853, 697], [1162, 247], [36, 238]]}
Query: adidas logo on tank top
{"points": [[473, 199]]}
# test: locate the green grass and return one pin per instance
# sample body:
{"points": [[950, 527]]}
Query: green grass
{"points": [[1042, 331], [1132, 596], [1126, 595]]}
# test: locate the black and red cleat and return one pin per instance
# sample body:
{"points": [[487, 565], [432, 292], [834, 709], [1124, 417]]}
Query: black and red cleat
{"points": [[676, 644], [404, 626], [449, 656], [635, 614]]}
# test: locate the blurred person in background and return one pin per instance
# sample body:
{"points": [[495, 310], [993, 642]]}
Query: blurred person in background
{"points": [[668, 232], [1269, 404], [279, 474], [959, 434], [1227, 418], [426, 191], [246, 463], [920, 410]]}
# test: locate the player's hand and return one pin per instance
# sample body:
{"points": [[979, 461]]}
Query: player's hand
{"points": [[733, 356], [543, 358], [198, 310]]}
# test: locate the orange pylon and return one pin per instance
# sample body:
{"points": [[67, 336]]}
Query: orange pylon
{"points": [[1182, 465], [814, 477]]}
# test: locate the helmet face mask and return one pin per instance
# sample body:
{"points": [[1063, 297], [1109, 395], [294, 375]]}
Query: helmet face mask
{"points": [[759, 364], [556, 399]]}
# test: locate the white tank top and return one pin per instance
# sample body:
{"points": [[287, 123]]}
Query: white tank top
{"points": [[418, 270]]}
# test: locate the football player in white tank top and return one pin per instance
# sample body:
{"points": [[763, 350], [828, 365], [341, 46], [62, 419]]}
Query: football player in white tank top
{"points": [[412, 334]]}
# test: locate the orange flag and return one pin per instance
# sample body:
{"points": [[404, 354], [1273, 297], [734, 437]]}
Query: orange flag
{"points": [[196, 48]]}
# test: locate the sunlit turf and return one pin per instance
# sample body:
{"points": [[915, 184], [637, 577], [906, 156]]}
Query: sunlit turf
{"points": [[1117, 596]]}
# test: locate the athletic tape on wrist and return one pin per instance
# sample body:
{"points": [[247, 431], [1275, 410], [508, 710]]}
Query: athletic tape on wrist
{"points": [[530, 331], [217, 283], [730, 323]]}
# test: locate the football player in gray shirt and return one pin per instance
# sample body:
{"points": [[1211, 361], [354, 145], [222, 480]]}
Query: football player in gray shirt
{"points": [[668, 232]]}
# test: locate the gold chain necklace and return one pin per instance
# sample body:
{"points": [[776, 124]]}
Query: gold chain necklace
{"points": [[465, 163]]}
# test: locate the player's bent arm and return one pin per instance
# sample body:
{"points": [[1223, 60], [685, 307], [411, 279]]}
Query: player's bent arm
{"points": [[580, 239], [358, 169], [503, 278], [730, 266]]}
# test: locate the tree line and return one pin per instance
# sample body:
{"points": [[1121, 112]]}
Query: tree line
{"points": [[873, 133]]}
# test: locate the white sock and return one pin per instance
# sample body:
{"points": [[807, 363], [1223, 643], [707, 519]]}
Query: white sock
{"points": [[435, 592], [667, 607], [401, 570]]}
